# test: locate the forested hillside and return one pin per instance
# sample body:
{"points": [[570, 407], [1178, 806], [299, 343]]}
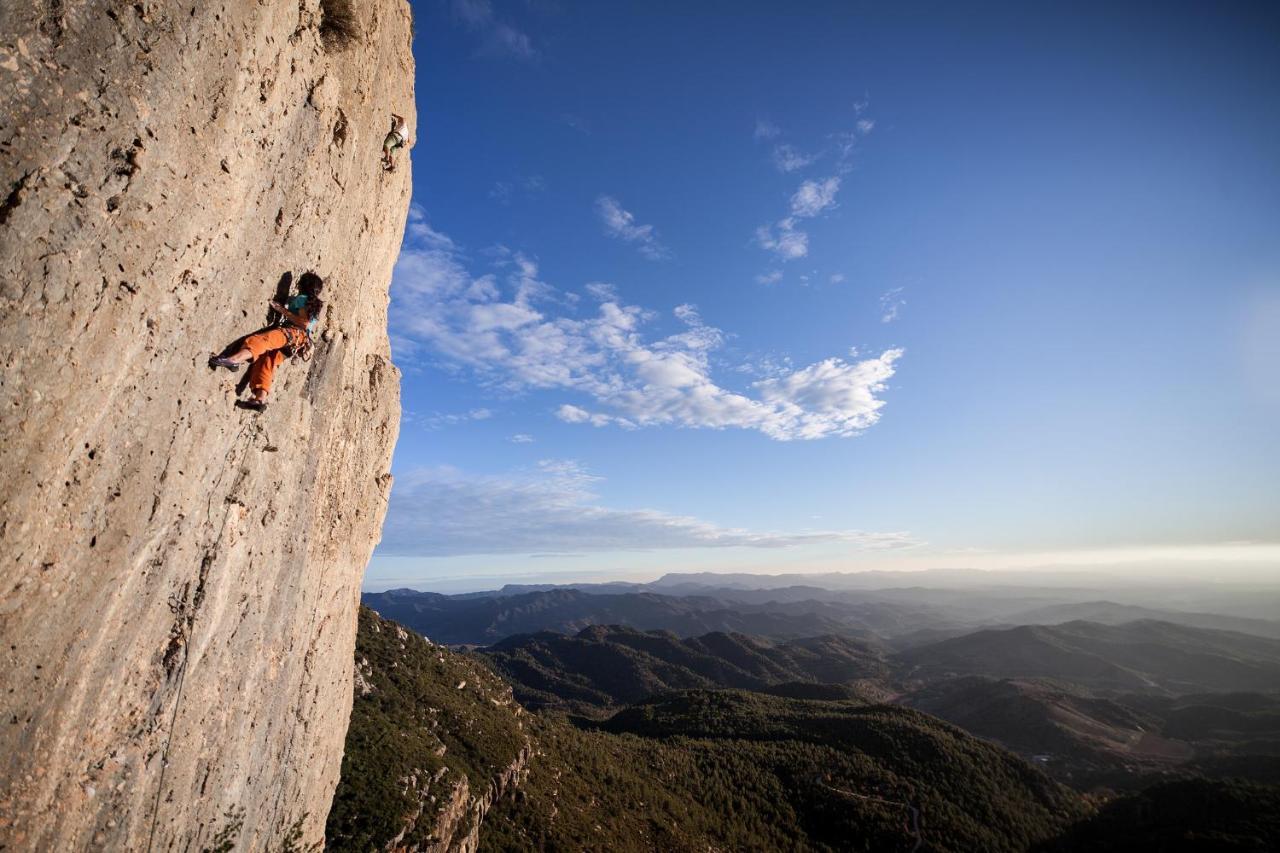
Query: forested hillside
{"points": [[603, 666]]}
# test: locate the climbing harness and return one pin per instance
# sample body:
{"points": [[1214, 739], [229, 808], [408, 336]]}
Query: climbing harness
{"points": [[300, 346], [299, 343]]}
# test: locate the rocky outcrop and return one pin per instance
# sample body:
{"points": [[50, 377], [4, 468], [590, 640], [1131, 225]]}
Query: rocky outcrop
{"points": [[456, 824], [436, 740], [180, 578]]}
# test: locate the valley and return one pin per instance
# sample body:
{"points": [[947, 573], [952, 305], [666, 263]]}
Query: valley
{"points": [[802, 718]]}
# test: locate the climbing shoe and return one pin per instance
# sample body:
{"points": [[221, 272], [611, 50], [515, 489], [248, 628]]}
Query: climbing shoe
{"points": [[219, 361], [252, 405]]}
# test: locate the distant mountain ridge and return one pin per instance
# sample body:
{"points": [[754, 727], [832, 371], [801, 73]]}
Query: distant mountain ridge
{"points": [[483, 620], [608, 665], [1142, 656], [902, 615], [1111, 613]]}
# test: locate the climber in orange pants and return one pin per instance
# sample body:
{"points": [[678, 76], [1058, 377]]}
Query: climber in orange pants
{"points": [[267, 349]]}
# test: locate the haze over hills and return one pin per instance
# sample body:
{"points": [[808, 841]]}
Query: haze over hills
{"points": [[1093, 704], [439, 754], [1136, 656], [487, 619], [605, 666], [1076, 736], [745, 743], [903, 615]]}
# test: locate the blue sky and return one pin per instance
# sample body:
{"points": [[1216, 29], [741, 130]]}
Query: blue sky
{"points": [[803, 287]]}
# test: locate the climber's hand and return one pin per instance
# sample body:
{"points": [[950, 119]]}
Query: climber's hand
{"points": [[276, 306]]}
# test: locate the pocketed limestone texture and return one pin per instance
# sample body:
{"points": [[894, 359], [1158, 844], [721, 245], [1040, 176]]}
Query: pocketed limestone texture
{"points": [[179, 578]]}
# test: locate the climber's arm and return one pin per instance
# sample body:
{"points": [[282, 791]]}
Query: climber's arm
{"points": [[295, 319]]}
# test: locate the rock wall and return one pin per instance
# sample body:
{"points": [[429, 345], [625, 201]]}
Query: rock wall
{"points": [[436, 741], [458, 822], [179, 578]]}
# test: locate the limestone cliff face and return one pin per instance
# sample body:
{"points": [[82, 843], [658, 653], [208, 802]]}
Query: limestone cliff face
{"points": [[178, 578]]}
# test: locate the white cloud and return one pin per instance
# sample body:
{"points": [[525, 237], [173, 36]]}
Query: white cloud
{"points": [[813, 197], [836, 278], [891, 303], [788, 159], [418, 229], [622, 224], [513, 331], [440, 513], [521, 438], [438, 419], [771, 277], [571, 414], [602, 291], [784, 238], [766, 129]]}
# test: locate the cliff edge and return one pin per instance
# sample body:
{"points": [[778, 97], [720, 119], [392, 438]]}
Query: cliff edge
{"points": [[179, 578]]}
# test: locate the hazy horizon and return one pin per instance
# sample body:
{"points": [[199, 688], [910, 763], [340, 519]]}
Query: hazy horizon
{"points": [[1100, 577]]}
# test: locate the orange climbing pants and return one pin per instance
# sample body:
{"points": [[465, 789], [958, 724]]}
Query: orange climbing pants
{"points": [[267, 355]]}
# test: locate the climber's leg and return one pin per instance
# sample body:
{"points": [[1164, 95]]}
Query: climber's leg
{"points": [[390, 144], [260, 343], [254, 346], [262, 371]]}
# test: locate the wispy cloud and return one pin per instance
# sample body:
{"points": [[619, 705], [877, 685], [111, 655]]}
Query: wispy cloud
{"points": [[521, 438], [891, 302], [423, 234], [503, 191], [785, 238], [553, 508], [766, 129], [497, 37], [438, 419], [788, 159], [771, 277], [513, 331], [813, 197], [622, 224]]}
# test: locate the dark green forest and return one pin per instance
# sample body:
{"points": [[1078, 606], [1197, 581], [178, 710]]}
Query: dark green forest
{"points": [[798, 758]]}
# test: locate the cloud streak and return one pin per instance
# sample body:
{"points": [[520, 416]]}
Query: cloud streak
{"points": [[514, 332], [788, 159], [621, 223], [891, 303], [553, 508]]}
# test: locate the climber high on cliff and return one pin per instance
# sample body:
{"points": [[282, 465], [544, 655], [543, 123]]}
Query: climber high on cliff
{"points": [[399, 137], [290, 336]]}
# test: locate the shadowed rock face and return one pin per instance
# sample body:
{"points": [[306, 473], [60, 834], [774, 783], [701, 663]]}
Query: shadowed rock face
{"points": [[178, 578]]}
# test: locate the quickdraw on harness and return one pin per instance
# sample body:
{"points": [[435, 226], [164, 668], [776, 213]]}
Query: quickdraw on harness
{"points": [[299, 342]]}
